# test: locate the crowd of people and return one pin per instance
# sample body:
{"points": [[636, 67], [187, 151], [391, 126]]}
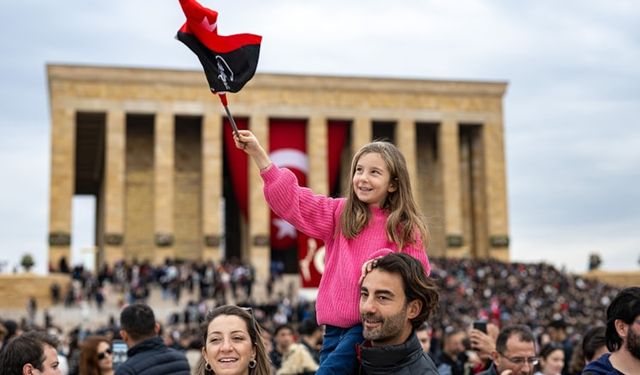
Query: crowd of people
{"points": [[534, 294], [530, 317], [175, 277], [558, 307]]}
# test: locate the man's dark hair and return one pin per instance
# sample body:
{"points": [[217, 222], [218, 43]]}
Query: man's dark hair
{"points": [[423, 327], [626, 307], [24, 349], [523, 332], [138, 321], [283, 326], [558, 324], [449, 332], [593, 340], [308, 326], [415, 282]]}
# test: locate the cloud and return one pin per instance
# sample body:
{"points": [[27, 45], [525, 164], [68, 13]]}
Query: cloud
{"points": [[571, 109]]}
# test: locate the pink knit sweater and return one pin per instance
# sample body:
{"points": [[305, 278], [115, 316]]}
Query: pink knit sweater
{"points": [[318, 216]]}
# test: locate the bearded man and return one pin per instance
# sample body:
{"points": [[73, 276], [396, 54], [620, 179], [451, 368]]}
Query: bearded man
{"points": [[622, 336], [396, 297]]}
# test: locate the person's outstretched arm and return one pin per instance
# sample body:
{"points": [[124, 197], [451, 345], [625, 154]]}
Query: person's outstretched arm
{"points": [[245, 140]]}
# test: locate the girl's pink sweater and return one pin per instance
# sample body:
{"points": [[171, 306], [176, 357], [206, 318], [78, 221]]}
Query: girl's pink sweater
{"points": [[318, 216]]}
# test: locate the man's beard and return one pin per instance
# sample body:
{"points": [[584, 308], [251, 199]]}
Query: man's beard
{"points": [[633, 343], [388, 328]]}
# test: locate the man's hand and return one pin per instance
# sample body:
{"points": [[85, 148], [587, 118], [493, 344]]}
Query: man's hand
{"points": [[482, 343]]}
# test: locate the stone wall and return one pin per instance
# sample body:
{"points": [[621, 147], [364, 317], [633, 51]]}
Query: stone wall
{"points": [[16, 289], [619, 279]]}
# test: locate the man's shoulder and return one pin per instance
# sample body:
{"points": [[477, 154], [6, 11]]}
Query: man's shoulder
{"points": [[124, 369], [490, 371], [601, 366], [151, 358]]}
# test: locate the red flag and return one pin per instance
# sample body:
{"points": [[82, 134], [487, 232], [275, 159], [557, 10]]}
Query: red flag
{"points": [[288, 148], [229, 62], [311, 250]]}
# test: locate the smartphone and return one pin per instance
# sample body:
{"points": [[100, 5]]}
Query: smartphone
{"points": [[480, 325], [119, 349]]}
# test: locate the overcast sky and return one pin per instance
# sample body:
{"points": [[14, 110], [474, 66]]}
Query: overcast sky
{"points": [[572, 107]]}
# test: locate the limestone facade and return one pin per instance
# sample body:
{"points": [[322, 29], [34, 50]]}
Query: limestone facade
{"points": [[159, 177]]}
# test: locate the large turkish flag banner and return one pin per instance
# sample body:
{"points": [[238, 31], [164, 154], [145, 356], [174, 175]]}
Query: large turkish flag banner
{"points": [[287, 149]]}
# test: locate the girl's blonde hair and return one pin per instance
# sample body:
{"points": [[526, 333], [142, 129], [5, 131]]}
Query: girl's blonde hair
{"points": [[404, 216]]}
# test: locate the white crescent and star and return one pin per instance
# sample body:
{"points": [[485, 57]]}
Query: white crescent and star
{"points": [[288, 158], [205, 23], [284, 229]]}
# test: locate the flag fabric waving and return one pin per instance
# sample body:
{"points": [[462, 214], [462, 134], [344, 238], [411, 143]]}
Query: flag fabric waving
{"points": [[229, 62]]}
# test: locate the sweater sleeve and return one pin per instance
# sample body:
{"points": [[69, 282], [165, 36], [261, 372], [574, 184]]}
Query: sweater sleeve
{"points": [[310, 213]]}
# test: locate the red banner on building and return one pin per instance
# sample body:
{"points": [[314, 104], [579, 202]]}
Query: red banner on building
{"points": [[238, 166], [288, 149]]}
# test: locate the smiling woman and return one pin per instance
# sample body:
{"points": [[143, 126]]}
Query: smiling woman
{"points": [[232, 344], [96, 356]]}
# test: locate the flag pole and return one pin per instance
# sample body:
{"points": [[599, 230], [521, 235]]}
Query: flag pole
{"points": [[225, 104]]}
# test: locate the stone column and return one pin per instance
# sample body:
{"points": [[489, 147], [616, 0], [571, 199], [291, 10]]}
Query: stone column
{"points": [[163, 185], [496, 189], [114, 186], [63, 134], [361, 134], [450, 158], [211, 185], [259, 219], [318, 174], [406, 142]]}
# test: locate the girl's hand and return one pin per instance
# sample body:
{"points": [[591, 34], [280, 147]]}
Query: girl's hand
{"points": [[367, 267], [246, 141]]}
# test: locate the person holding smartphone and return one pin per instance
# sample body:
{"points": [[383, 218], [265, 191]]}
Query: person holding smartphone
{"points": [[483, 341]]}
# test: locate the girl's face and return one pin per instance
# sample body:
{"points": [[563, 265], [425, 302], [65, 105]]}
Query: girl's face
{"points": [[552, 365], [228, 348], [105, 359], [372, 180]]}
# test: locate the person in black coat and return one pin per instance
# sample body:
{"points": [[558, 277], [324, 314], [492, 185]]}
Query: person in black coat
{"points": [[396, 297], [147, 354]]}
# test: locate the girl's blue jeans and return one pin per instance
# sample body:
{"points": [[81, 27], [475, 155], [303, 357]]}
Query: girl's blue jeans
{"points": [[338, 353]]}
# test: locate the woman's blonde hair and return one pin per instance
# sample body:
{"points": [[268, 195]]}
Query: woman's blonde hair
{"points": [[404, 216]]}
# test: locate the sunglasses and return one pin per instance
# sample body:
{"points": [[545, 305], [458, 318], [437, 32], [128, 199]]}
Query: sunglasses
{"points": [[103, 355]]}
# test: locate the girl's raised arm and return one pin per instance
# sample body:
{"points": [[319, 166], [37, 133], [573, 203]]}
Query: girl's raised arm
{"points": [[245, 140]]}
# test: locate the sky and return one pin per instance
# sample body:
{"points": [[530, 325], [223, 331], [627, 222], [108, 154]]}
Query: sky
{"points": [[572, 107]]}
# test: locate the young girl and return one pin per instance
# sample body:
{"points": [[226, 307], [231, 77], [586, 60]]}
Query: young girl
{"points": [[378, 213]]}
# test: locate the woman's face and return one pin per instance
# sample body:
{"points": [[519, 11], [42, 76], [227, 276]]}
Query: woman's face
{"points": [[552, 365], [228, 348], [104, 352]]}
